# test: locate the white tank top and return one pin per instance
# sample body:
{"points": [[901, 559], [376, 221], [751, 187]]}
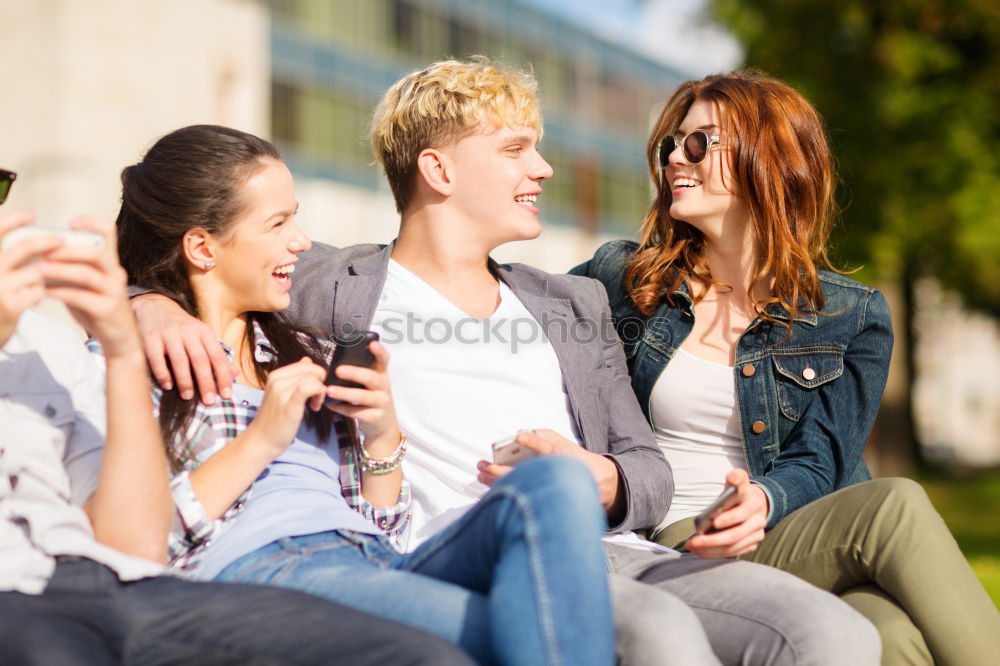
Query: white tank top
{"points": [[697, 426]]}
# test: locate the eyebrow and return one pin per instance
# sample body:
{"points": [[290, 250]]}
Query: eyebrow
{"points": [[283, 213], [522, 139]]}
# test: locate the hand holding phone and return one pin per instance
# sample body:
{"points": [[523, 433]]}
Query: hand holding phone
{"points": [[350, 350], [727, 500], [507, 451], [71, 237]]}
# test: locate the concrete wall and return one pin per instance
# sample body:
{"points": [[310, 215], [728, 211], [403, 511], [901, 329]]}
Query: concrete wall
{"points": [[87, 86]]}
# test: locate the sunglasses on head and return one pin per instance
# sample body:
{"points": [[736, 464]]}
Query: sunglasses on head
{"points": [[696, 146], [6, 180]]}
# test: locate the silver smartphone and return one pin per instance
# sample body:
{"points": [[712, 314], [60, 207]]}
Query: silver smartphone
{"points": [[73, 237], [507, 451], [727, 500]]}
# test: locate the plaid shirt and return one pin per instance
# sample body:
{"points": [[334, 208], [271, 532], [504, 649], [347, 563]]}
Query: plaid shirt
{"points": [[212, 427]]}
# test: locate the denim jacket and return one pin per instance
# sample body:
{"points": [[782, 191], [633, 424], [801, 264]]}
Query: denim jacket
{"points": [[806, 401]]}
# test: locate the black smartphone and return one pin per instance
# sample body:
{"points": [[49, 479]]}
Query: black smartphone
{"points": [[350, 350], [727, 500]]}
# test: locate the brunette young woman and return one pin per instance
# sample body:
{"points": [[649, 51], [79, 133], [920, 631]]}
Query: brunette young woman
{"points": [[760, 367], [267, 482]]}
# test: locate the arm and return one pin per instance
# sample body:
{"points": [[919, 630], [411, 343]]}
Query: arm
{"points": [[827, 442], [646, 478], [195, 359], [633, 477], [821, 449], [373, 408], [130, 509]]}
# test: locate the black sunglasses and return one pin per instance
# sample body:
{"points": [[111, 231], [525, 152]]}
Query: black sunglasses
{"points": [[7, 179], [696, 146]]}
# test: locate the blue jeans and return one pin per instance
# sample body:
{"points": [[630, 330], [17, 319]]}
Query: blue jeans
{"points": [[519, 579], [87, 617]]}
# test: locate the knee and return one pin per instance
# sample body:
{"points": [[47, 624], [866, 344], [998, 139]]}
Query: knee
{"points": [[567, 478], [903, 497], [842, 636]]}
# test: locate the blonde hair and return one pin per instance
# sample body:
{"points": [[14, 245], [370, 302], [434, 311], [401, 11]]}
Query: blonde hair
{"points": [[440, 104]]}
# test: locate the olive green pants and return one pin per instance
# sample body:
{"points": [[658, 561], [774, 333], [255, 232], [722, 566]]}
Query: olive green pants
{"points": [[882, 547]]}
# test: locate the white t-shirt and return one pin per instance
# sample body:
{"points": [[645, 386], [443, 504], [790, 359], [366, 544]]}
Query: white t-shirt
{"points": [[697, 426], [460, 384]]}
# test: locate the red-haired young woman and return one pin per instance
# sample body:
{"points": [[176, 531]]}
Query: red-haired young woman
{"points": [[760, 370]]}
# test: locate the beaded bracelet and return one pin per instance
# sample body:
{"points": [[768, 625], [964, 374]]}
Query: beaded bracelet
{"points": [[382, 465]]}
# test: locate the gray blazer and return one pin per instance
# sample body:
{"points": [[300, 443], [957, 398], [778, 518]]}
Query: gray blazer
{"points": [[335, 291]]}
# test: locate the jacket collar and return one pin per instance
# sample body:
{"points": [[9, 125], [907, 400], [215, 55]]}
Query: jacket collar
{"points": [[776, 310]]}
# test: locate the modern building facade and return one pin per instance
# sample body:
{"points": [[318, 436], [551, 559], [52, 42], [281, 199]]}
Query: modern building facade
{"points": [[332, 61]]}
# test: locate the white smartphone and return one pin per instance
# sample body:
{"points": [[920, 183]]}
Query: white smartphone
{"points": [[507, 451], [74, 237]]}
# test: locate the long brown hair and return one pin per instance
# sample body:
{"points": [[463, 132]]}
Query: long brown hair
{"points": [[192, 178], [781, 167]]}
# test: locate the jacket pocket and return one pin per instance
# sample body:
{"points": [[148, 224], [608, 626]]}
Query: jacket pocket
{"points": [[797, 376]]}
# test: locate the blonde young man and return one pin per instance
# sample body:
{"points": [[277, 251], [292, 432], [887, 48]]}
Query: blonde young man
{"points": [[482, 350]]}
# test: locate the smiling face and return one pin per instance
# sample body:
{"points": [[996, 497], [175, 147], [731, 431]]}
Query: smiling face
{"points": [[255, 259], [496, 176], [701, 193]]}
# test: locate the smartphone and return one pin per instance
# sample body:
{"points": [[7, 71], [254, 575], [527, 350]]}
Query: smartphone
{"points": [[507, 451], [73, 237], [350, 350], [727, 500]]}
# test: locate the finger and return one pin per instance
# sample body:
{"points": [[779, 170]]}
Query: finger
{"points": [[493, 469], [373, 379], [221, 369], [180, 365], [737, 477], [98, 226], [356, 396], [309, 389], [530, 439], [86, 307], [360, 412], [744, 545], [720, 539], [27, 250], [14, 219], [157, 359], [80, 276], [197, 355], [381, 355], [80, 254]]}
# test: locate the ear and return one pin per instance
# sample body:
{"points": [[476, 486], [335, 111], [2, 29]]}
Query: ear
{"points": [[433, 168], [198, 248]]}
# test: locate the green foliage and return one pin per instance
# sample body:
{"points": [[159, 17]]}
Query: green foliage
{"points": [[971, 508], [910, 91]]}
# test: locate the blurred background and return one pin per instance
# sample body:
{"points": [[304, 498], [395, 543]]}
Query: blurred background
{"points": [[910, 91]]}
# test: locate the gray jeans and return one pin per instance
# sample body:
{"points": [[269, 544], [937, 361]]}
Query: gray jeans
{"points": [[750, 614]]}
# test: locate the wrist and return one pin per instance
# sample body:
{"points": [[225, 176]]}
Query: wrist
{"points": [[258, 444], [382, 443], [379, 465]]}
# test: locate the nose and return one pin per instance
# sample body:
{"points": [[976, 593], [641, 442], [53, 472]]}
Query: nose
{"points": [[540, 169], [677, 156], [299, 242]]}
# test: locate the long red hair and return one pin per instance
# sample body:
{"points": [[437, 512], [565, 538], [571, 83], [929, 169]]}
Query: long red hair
{"points": [[781, 167]]}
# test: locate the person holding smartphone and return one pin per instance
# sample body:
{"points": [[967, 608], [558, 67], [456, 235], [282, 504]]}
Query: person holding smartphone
{"points": [[761, 371], [85, 504], [272, 486], [482, 349]]}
